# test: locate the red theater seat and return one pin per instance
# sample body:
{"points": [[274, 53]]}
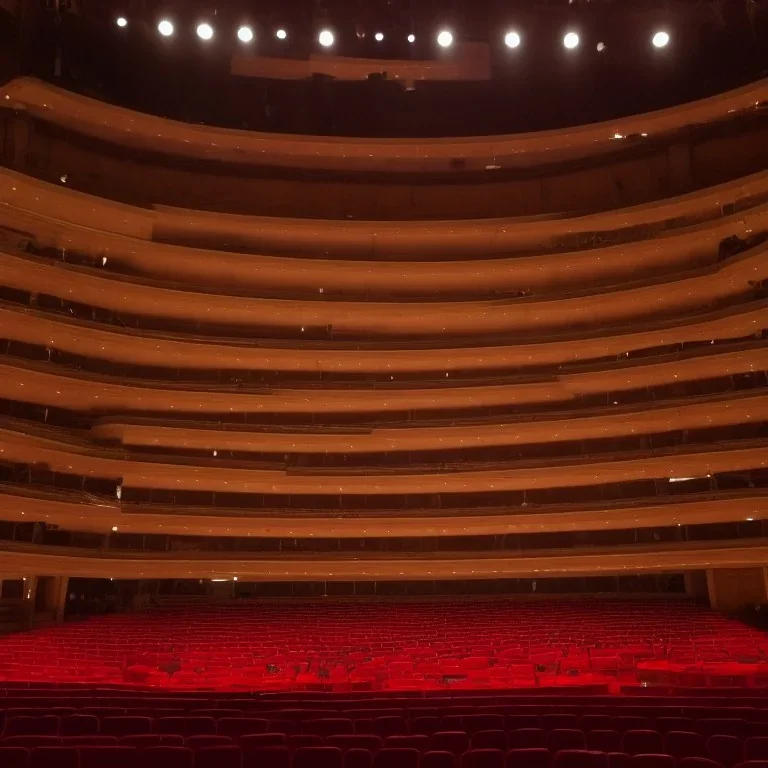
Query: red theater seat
{"points": [[14, 757], [483, 758], [698, 762], [25, 725], [642, 743], [368, 741], [435, 759], [91, 741], [528, 758], [330, 726], [489, 740], [396, 758], [652, 761], [79, 725], [297, 740], [266, 757], [456, 742], [563, 738], [167, 757], [32, 741], [218, 757], [317, 757], [527, 738], [213, 740], [54, 757], [358, 758], [603, 741], [390, 726], [240, 726], [681, 744], [125, 726], [726, 750], [109, 757], [577, 758], [419, 742]]}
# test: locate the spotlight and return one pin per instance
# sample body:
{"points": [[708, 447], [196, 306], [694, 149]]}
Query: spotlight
{"points": [[445, 39], [378, 37], [204, 31], [411, 38], [571, 40], [660, 39], [512, 39], [281, 34], [121, 22], [325, 38], [165, 28], [245, 34]]}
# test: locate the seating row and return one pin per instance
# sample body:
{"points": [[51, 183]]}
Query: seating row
{"points": [[221, 756]]}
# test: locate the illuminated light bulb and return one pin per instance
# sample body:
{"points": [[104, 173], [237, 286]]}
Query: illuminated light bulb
{"points": [[660, 39], [378, 37], [204, 31], [325, 38], [512, 39], [411, 38], [281, 34], [571, 40], [445, 39], [121, 22], [165, 28], [245, 34]]}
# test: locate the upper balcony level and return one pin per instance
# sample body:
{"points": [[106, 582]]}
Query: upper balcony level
{"points": [[89, 145]]}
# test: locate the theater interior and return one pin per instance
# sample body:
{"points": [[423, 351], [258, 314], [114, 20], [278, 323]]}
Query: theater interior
{"points": [[493, 493]]}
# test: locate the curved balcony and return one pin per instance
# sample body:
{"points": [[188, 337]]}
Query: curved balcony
{"points": [[158, 135], [129, 346], [62, 453], [78, 512], [667, 253], [55, 561], [426, 240], [711, 286], [45, 385], [685, 414]]}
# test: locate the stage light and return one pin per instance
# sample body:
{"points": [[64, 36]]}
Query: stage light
{"points": [[165, 28], [245, 34], [411, 38], [512, 39], [122, 22], [204, 31], [571, 40], [325, 38], [378, 37], [660, 39], [445, 39], [281, 34]]}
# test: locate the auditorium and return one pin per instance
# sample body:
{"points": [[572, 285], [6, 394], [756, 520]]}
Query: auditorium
{"points": [[380, 384]]}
